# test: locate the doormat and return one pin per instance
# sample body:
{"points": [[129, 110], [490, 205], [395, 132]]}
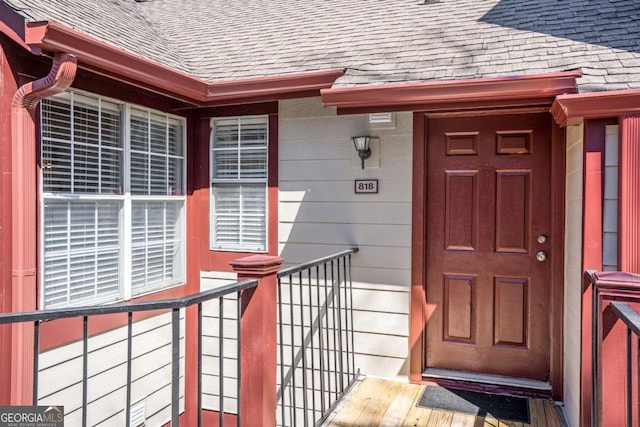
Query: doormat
{"points": [[505, 408]]}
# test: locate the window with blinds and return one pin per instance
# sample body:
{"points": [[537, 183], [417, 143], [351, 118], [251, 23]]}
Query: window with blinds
{"points": [[239, 184], [112, 200]]}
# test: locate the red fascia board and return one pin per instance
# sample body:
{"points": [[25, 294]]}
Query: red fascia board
{"points": [[53, 37], [403, 96], [264, 87], [103, 58], [461, 107], [569, 110]]}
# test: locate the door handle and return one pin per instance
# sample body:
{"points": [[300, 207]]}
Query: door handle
{"points": [[541, 256]]}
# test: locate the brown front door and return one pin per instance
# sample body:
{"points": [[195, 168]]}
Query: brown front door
{"points": [[488, 217]]}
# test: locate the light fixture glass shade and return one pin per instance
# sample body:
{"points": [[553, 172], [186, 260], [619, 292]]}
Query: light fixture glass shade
{"points": [[362, 147], [361, 143]]}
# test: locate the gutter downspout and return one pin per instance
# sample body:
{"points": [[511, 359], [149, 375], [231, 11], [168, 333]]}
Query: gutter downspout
{"points": [[24, 196]]}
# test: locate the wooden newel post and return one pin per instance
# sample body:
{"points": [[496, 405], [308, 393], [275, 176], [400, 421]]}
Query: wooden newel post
{"points": [[258, 340]]}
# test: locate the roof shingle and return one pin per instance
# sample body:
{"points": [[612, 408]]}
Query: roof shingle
{"points": [[377, 42]]}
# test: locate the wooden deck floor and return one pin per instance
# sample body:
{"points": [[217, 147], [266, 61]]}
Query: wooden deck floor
{"points": [[383, 403]]}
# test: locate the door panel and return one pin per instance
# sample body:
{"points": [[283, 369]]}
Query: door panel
{"points": [[510, 311], [488, 187], [513, 195], [458, 303], [461, 204]]}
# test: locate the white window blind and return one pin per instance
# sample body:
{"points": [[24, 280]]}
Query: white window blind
{"points": [[82, 251], [156, 179], [89, 204], [239, 183], [81, 136], [156, 245]]}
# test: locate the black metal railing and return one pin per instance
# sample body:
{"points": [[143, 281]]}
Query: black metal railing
{"points": [[174, 306], [316, 357], [632, 321]]}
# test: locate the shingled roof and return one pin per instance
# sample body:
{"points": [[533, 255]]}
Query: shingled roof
{"points": [[121, 23], [376, 41]]}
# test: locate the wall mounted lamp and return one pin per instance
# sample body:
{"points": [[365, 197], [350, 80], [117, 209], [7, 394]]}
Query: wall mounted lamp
{"points": [[362, 147]]}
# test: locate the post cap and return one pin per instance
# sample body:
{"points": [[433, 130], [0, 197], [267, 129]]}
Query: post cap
{"points": [[257, 265]]}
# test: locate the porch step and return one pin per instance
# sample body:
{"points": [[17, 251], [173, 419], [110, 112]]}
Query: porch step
{"points": [[496, 380]]}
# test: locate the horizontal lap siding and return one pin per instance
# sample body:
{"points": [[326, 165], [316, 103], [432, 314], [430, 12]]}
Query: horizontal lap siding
{"points": [[210, 344], [381, 330], [319, 214], [60, 374]]}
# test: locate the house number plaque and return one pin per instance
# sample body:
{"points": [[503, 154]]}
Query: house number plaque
{"points": [[366, 186]]}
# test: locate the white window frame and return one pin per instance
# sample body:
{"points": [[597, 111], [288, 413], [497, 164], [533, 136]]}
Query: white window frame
{"points": [[126, 198], [213, 181]]}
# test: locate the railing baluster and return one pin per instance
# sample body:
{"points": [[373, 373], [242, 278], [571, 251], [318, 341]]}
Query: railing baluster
{"points": [[596, 408], [36, 360], [353, 347], [328, 335], [304, 351], [199, 364], [175, 367], [346, 316], [339, 303], [311, 335], [129, 367], [85, 359], [320, 341], [629, 381], [335, 339], [238, 349], [281, 334], [221, 360], [293, 354]]}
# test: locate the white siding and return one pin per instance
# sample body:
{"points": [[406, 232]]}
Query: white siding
{"points": [[210, 344], [573, 274], [319, 215], [610, 208], [60, 374]]}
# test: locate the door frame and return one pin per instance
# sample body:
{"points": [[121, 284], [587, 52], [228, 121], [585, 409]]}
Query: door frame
{"points": [[420, 309]]}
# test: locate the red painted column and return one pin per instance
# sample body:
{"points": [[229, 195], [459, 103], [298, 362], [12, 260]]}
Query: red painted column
{"points": [[258, 334], [8, 86], [24, 200], [594, 146], [629, 228], [195, 152]]}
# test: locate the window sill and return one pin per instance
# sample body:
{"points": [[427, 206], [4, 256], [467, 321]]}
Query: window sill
{"points": [[240, 250]]}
